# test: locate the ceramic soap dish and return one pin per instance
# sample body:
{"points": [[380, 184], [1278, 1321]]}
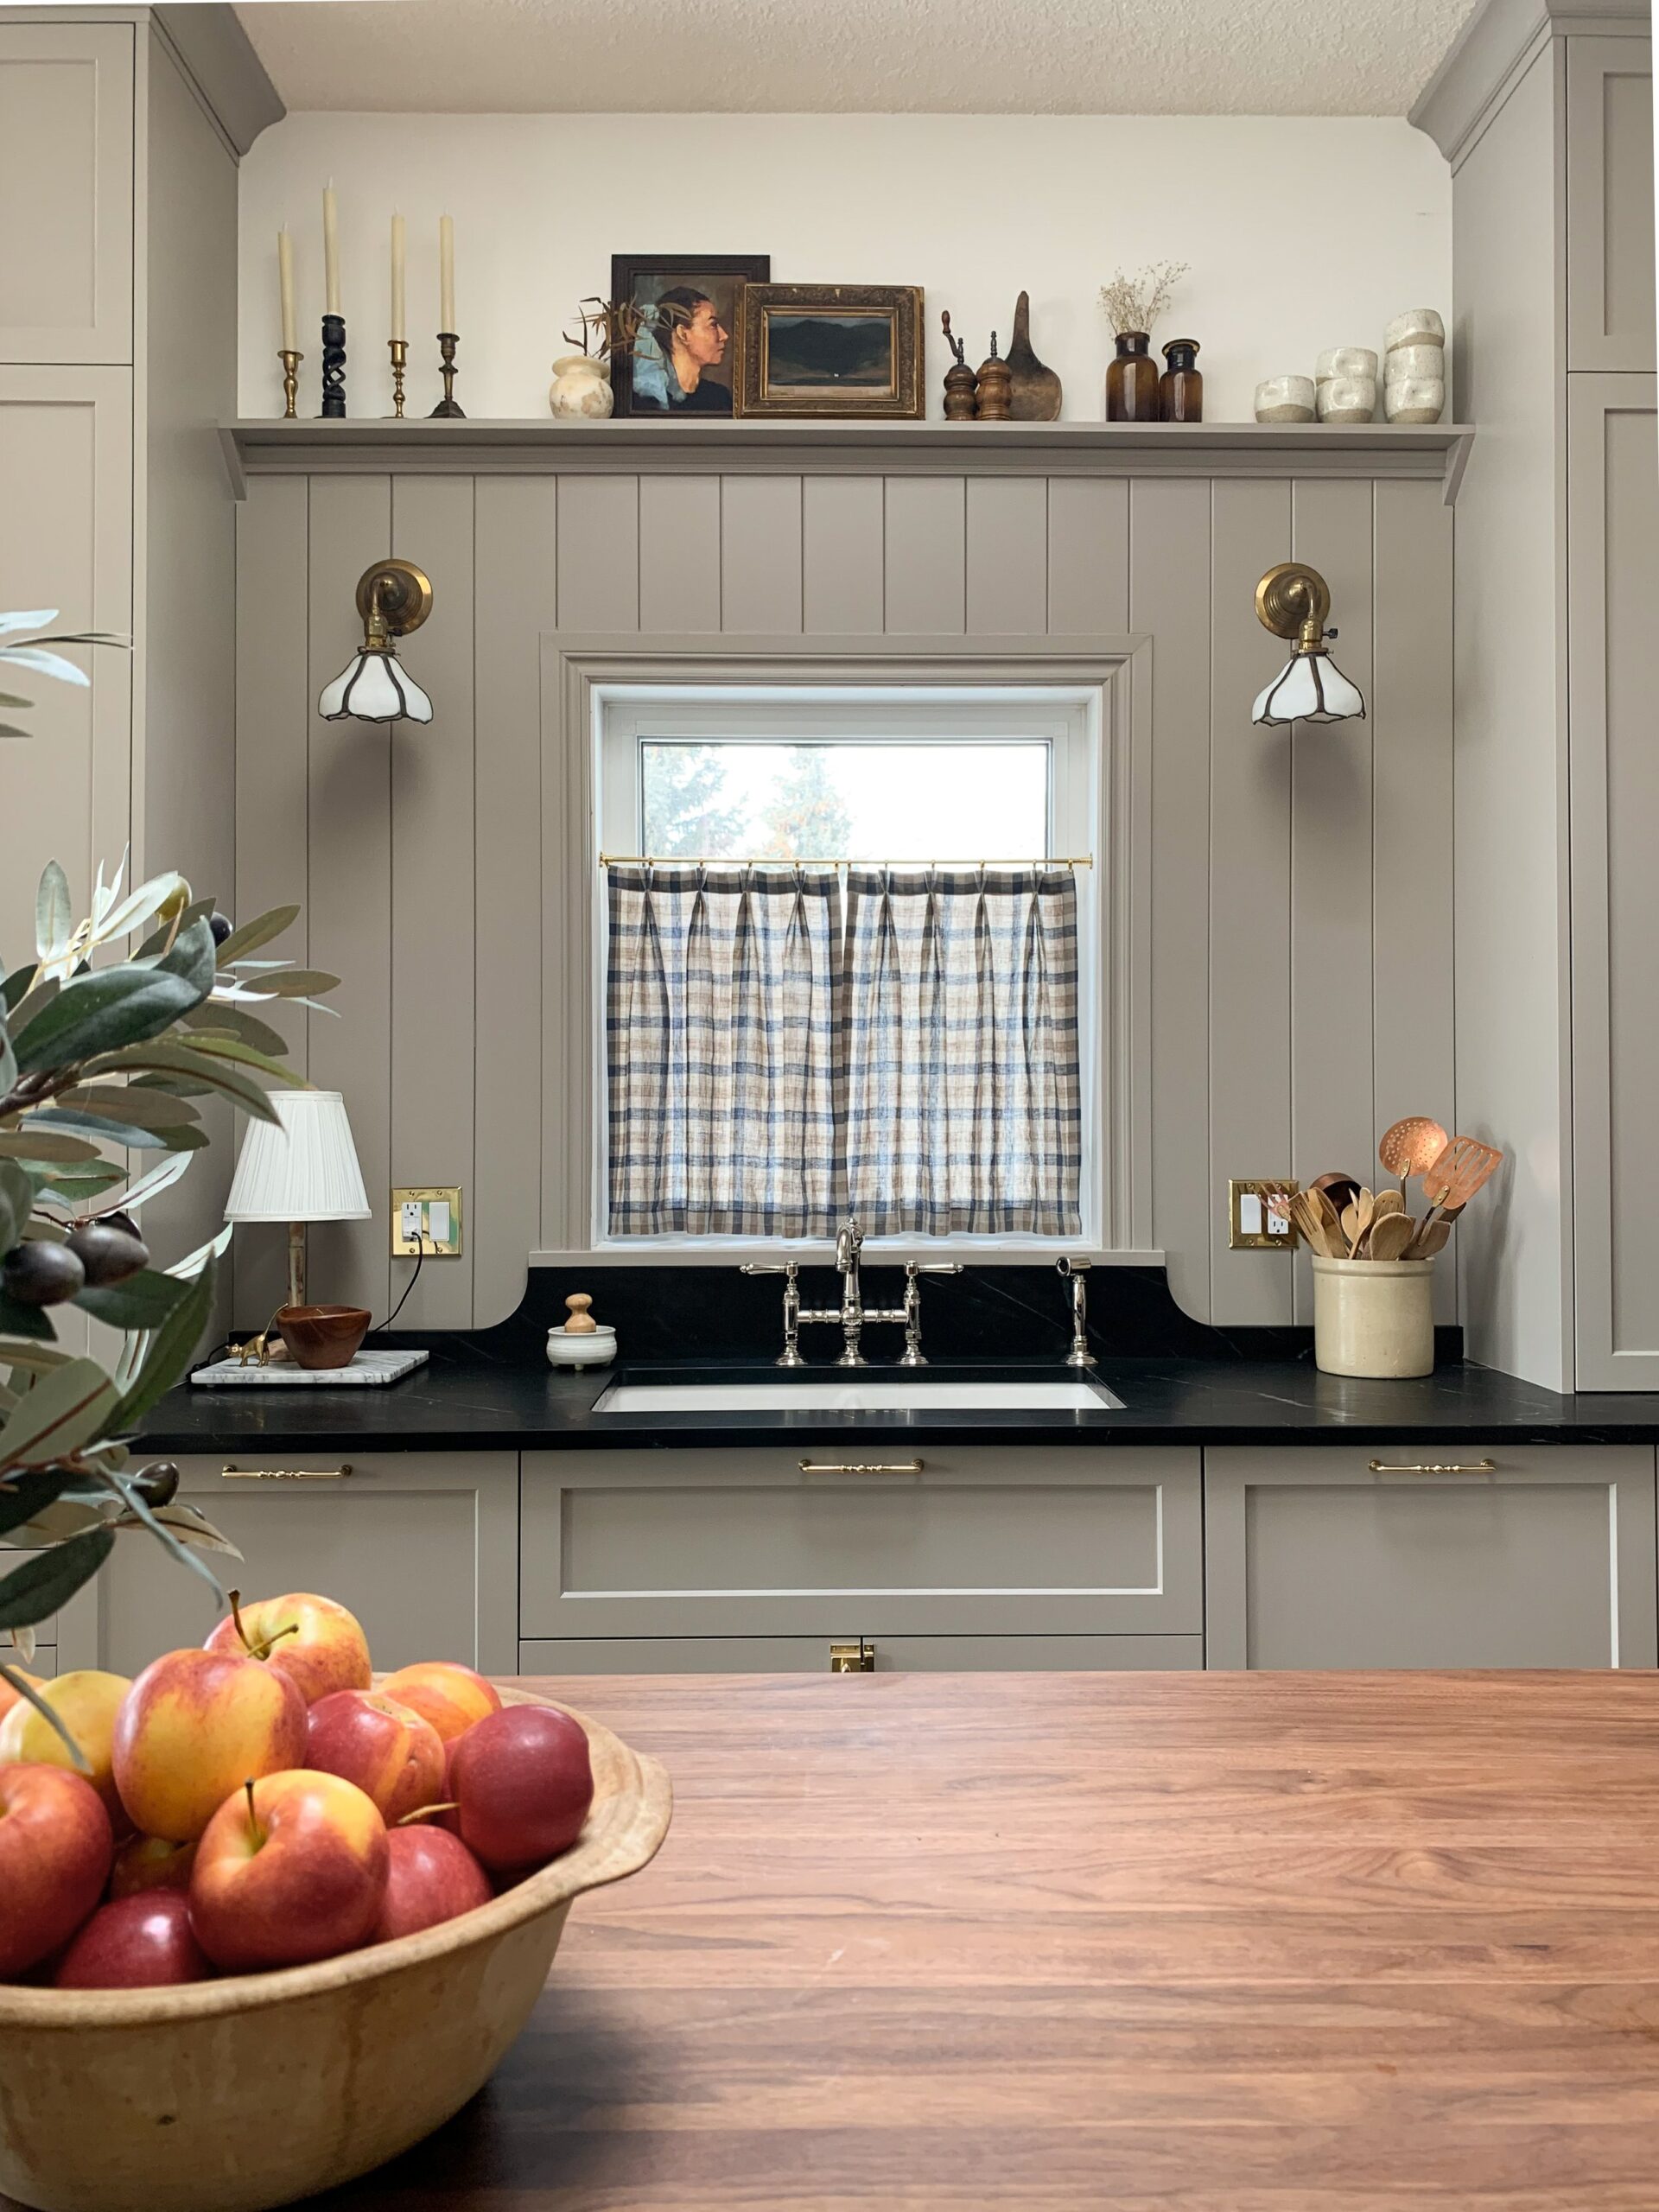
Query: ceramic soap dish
{"points": [[581, 1342]]}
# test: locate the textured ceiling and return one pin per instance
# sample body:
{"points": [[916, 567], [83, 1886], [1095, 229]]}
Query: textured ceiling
{"points": [[1108, 57]]}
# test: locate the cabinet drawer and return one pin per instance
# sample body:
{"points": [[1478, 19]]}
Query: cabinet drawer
{"points": [[894, 1655], [739, 1543], [1320, 1559], [421, 1546]]}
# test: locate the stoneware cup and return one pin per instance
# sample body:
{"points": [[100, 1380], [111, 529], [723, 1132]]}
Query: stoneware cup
{"points": [[1374, 1317], [1345, 361], [1415, 364], [1348, 399], [323, 1336], [1417, 326], [1285, 399], [1413, 400], [594, 1347]]}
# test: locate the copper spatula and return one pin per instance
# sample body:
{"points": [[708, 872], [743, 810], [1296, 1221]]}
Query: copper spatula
{"points": [[1458, 1172]]}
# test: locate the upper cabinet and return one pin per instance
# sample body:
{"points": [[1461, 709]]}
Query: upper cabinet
{"points": [[1610, 263], [66, 182]]}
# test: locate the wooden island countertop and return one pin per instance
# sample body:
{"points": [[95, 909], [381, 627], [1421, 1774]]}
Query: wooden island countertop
{"points": [[1218, 1942]]}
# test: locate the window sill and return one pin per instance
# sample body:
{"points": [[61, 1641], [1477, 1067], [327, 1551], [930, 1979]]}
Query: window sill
{"points": [[878, 1252]]}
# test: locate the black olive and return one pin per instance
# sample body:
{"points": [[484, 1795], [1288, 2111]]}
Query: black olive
{"points": [[120, 1221], [41, 1273], [221, 925], [158, 1485], [107, 1253]]}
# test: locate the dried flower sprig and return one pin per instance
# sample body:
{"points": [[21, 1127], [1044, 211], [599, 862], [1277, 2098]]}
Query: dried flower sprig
{"points": [[1135, 302], [615, 324]]}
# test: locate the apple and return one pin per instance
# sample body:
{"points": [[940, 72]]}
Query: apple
{"points": [[318, 1644], [194, 1727], [86, 1701], [151, 1862], [291, 1869], [431, 1877], [524, 1781], [451, 1696], [388, 1751], [55, 1848], [136, 1942]]}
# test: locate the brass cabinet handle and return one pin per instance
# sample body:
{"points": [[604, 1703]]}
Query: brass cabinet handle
{"points": [[1438, 1467], [860, 1466], [285, 1474]]}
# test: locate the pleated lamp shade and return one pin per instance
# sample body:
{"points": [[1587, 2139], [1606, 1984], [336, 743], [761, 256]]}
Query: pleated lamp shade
{"points": [[301, 1167]]}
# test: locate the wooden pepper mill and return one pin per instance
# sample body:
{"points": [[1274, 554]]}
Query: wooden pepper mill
{"points": [[961, 385], [995, 388]]}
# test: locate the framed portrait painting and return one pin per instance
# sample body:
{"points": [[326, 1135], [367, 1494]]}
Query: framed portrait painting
{"points": [[830, 350], [682, 358]]}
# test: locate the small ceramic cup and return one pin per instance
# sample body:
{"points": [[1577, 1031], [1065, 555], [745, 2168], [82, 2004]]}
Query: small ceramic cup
{"points": [[1416, 364], [1418, 399], [1348, 399], [1285, 399], [594, 1347], [1345, 361], [1418, 327]]}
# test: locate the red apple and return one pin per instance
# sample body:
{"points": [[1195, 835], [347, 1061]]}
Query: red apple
{"points": [[524, 1781], [451, 1696], [385, 1749], [137, 1942], [55, 1848], [432, 1877], [291, 1869], [317, 1644], [87, 1701], [151, 1862], [194, 1725]]}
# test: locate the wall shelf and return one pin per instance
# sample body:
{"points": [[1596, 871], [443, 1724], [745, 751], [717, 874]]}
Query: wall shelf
{"points": [[1437, 451]]}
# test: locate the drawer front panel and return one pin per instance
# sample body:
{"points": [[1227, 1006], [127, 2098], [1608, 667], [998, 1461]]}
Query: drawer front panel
{"points": [[1316, 1559], [750, 1543], [898, 1655]]}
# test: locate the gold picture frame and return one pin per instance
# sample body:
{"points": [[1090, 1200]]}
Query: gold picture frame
{"points": [[828, 352]]}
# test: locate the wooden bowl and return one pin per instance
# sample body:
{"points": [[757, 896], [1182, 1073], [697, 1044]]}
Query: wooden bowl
{"points": [[323, 1336], [243, 2094]]}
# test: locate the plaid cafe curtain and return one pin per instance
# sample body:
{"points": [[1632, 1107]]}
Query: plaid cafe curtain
{"points": [[782, 1045]]}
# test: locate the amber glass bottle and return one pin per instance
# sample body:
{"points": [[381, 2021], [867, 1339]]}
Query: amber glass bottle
{"points": [[1132, 380], [1181, 389]]}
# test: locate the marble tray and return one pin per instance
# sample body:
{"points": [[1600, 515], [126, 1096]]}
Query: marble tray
{"points": [[368, 1370]]}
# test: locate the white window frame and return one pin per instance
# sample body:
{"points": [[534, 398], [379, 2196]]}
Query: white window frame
{"points": [[1067, 716]]}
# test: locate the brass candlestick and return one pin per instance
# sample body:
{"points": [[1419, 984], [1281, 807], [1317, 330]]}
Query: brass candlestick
{"points": [[290, 361], [448, 342], [400, 350]]}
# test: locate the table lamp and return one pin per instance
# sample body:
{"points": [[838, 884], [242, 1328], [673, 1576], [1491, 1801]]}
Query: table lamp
{"points": [[301, 1168]]}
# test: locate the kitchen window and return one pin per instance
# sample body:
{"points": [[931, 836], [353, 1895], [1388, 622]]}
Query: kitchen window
{"points": [[848, 961]]}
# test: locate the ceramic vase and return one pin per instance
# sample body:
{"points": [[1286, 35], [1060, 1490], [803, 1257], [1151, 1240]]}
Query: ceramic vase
{"points": [[1285, 399], [1131, 380], [1373, 1317], [581, 389]]}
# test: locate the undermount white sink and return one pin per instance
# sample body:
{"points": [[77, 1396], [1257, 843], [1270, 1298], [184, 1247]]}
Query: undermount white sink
{"points": [[830, 1396]]}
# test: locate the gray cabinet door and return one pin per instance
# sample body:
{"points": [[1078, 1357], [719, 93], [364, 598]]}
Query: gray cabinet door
{"points": [[421, 1546], [1613, 679], [1353, 1558], [843, 1540], [66, 183], [894, 1655], [1610, 268]]}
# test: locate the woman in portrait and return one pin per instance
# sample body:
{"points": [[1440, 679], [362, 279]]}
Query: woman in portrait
{"points": [[684, 336]]}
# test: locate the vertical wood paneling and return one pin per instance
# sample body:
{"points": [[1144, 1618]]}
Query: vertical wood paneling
{"points": [[516, 523], [1331, 1098], [1087, 556], [926, 554], [1413, 830], [760, 553], [1250, 915], [599, 552], [843, 570], [1006, 559], [273, 717], [349, 809], [679, 529], [1169, 598], [432, 884]]}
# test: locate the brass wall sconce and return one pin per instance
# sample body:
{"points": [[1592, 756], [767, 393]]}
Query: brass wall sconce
{"points": [[393, 598], [1292, 601]]}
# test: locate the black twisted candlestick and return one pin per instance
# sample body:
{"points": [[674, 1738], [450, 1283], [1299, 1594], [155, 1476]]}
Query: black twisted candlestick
{"points": [[448, 404], [333, 365]]}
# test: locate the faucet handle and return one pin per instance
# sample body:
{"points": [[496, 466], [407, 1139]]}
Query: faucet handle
{"points": [[790, 1268], [932, 1267]]}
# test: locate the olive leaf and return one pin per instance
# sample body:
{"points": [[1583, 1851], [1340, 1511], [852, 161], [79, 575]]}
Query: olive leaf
{"points": [[190, 1526], [192, 958], [26, 1689], [218, 1014], [46, 1579], [171, 1350], [167, 1058], [27, 1144], [29, 1491], [260, 930], [101, 1126], [126, 1102], [17, 1320], [289, 983], [17, 1198], [55, 915], [65, 1409], [99, 1013], [143, 1300]]}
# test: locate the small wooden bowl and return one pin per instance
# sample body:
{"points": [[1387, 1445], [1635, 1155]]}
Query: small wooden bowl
{"points": [[239, 2094], [323, 1336]]}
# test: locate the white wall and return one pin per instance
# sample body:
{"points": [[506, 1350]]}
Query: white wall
{"points": [[1302, 232]]}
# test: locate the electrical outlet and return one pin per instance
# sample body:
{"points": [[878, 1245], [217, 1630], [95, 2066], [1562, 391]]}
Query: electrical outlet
{"points": [[426, 1221], [1252, 1225]]}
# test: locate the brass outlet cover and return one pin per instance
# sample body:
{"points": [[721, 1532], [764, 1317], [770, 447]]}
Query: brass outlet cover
{"points": [[1248, 1218], [408, 1248]]}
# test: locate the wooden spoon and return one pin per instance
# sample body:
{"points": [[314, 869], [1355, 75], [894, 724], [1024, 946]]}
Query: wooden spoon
{"points": [[1357, 1216], [1388, 1202], [1430, 1238], [1336, 1244], [1391, 1237]]}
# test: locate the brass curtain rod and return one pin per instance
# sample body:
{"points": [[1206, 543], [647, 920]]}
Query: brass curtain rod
{"points": [[704, 859]]}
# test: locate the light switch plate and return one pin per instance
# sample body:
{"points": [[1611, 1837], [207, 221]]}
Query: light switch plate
{"points": [[422, 1210], [1250, 1226]]}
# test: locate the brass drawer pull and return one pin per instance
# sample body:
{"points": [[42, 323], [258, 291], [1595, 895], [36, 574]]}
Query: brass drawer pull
{"points": [[285, 1474], [1436, 1467], [860, 1466]]}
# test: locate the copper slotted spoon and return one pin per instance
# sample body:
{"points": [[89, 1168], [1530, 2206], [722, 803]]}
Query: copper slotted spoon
{"points": [[1410, 1146]]}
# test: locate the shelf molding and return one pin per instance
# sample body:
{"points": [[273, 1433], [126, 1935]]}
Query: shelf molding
{"points": [[1433, 452]]}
